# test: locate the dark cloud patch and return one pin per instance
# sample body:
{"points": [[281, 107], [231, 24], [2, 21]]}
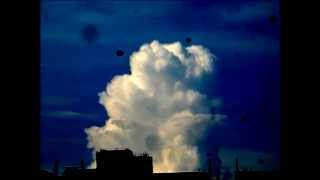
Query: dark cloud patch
{"points": [[90, 33], [260, 161], [188, 40], [44, 16], [244, 118], [153, 142], [122, 124], [119, 52], [202, 3], [104, 7], [272, 19]]}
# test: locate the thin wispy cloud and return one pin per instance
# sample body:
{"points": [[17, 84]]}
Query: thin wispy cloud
{"points": [[248, 12], [69, 115], [241, 43], [58, 100], [65, 140]]}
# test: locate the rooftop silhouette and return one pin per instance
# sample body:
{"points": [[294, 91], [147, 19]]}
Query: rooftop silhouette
{"points": [[124, 163], [247, 174]]}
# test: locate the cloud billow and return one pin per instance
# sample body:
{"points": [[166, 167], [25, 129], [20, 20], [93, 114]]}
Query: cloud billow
{"points": [[158, 107]]}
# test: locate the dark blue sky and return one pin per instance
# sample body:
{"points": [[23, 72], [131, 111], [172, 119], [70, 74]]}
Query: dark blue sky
{"points": [[243, 34]]}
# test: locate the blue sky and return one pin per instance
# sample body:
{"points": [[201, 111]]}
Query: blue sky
{"points": [[246, 75]]}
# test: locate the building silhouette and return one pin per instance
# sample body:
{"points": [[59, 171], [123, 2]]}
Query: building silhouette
{"points": [[43, 173], [114, 164], [227, 174], [215, 164], [56, 167], [123, 161], [55, 170], [254, 175], [181, 175]]}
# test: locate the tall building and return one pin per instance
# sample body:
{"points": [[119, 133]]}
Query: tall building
{"points": [[114, 162]]}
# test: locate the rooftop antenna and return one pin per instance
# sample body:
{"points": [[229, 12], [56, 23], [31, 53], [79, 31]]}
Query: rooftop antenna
{"points": [[82, 167], [56, 167], [209, 164]]}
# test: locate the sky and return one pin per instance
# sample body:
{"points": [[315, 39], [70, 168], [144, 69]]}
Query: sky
{"points": [[243, 35]]}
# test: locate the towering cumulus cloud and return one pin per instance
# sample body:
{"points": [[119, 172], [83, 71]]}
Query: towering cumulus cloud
{"points": [[158, 107]]}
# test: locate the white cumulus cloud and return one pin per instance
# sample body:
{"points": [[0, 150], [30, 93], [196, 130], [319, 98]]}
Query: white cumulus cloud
{"points": [[158, 108]]}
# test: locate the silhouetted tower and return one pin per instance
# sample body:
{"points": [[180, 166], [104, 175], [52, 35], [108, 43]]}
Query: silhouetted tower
{"points": [[227, 175], [56, 168], [214, 163], [82, 165], [237, 165], [209, 165]]}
